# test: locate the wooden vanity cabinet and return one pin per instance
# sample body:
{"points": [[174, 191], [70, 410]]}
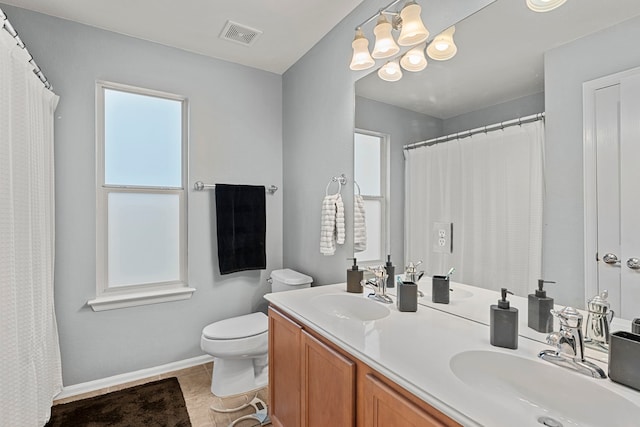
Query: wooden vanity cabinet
{"points": [[312, 383], [384, 407], [285, 381], [328, 385]]}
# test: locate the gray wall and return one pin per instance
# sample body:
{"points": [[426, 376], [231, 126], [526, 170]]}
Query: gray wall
{"points": [[566, 68], [520, 107], [235, 137], [404, 127], [318, 109]]}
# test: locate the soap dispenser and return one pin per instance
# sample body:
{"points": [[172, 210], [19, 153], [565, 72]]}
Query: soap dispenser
{"points": [[391, 271], [540, 306], [354, 278], [503, 323]]}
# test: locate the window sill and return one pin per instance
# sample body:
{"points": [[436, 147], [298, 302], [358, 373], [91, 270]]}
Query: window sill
{"points": [[133, 299]]}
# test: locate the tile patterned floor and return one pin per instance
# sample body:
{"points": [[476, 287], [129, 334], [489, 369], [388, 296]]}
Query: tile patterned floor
{"points": [[196, 388]]}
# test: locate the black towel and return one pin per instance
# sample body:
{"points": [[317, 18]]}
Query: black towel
{"points": [[242, 225]]}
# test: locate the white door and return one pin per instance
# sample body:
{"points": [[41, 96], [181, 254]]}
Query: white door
{"points": [[612, 190], [630, 196]]}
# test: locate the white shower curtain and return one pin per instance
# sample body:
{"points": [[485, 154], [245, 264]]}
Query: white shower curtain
{"points": [[490, 186], [30, 371]]}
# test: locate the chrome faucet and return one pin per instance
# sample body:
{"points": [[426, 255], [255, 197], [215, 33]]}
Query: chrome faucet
{"points": [[599, 316], [411, 274], [379, 285], [569, 344]]}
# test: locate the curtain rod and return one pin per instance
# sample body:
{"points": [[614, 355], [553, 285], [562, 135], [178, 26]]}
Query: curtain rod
{"points": [[482, 129], [9, 28]]}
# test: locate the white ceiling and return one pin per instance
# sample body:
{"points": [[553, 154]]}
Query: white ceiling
{"points": [[500, 56], [500, 48], [290, 27]]}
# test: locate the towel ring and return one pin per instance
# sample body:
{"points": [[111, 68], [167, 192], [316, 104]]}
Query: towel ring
{"points": [[357, 186], [326, 191], [341, 180]]}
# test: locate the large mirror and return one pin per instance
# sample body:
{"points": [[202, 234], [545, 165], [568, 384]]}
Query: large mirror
{"points": [[511, 63]]}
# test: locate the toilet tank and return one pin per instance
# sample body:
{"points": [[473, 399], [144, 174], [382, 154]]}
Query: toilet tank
{"points": [[287, 280]]}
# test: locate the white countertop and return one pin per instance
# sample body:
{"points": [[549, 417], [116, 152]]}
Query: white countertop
{"points": [[414, 350], [473, 303]]}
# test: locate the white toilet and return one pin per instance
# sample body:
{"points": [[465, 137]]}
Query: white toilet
{"points": [[239, 345]]}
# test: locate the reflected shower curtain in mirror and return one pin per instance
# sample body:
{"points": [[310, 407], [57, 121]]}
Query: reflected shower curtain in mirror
{"points": [[490, 186], [30, 371]]}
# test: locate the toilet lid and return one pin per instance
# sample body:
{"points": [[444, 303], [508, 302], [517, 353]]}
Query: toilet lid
{"points": [[237, 327], [290, 277]]}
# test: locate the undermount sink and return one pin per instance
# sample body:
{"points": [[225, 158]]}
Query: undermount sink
{"points": [[544, 394], [353, 307]]}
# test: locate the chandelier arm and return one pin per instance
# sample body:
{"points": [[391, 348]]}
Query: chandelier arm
{"points": [[384, 10]]}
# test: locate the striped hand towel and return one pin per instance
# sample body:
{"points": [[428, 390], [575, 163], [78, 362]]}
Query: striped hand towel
{"points": [[332, 230], [359, 224]]}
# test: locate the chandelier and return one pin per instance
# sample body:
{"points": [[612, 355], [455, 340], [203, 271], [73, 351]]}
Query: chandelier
{"points": [[412, 32]]}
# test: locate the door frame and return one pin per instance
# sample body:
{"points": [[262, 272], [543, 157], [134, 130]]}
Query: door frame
{"points": [[589, 168]]}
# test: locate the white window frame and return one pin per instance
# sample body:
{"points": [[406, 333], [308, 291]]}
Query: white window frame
{"points": [[136, 294], [384, 194]]}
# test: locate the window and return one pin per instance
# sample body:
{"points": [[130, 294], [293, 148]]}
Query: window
{"points": [[370, 171], [141, 234]]}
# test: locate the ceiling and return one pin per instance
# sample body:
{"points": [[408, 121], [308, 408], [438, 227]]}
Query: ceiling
{"points": [[500, 56], [500, 48], [289, 27]]}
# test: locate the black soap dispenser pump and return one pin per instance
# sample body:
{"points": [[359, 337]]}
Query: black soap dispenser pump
{"points": [[354, 278], [503, 323], [539, 309], [391, 271]]}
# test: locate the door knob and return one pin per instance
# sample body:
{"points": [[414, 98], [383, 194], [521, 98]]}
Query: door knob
{"points": [[633, 263], [611, 259]]}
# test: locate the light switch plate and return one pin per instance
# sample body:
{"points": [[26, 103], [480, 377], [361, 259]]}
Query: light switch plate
{"points": [[443, 237]]}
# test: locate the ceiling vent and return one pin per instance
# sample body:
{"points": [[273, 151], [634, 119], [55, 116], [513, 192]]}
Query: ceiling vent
{"points": [[238, 33]]}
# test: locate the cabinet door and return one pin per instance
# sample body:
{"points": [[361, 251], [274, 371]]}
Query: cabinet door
{"points": [[284, 370], [328, 386], [384, 407]]}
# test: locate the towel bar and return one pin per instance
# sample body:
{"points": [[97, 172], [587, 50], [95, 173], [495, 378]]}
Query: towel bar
{"points": [[201, 186]]}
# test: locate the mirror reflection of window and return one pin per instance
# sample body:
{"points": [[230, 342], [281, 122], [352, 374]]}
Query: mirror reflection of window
{"points": [[370, 173]]}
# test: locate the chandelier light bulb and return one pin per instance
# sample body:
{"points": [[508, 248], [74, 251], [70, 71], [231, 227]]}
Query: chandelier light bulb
{"points": [[361, 59], [390, 71], [385, 46], [443, 47], [544, 5], [414, 60], [413, 30]]}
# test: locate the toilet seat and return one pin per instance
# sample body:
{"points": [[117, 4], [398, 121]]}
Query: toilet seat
{"points": [[234, 328], [240, 345], [237, 337]]}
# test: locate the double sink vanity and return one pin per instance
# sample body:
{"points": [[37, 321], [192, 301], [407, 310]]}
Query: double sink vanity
{"points": [[342, 359]]}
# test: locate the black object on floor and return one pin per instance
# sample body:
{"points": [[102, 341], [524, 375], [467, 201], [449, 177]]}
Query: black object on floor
{"points": [[159, 403]]}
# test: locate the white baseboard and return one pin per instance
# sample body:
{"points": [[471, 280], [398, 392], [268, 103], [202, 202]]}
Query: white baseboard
{"points": [[115, 380]]}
